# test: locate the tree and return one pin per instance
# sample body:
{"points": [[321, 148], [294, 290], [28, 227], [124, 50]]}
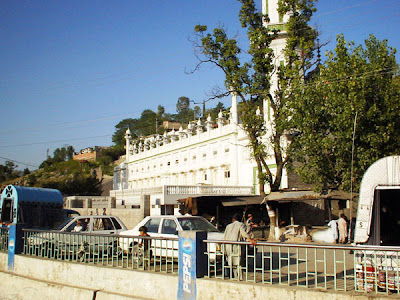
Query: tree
{"points": [[355, 84], [250, 80], [118, 137], [185, 114], [8, 172], [146, 125], [183, 104], [213, 112], [70, 152]]}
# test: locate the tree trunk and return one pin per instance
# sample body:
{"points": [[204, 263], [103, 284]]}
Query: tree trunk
{"points": [[271, 209]]}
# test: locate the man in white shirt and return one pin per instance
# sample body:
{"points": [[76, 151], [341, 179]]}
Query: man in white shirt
{"points": [[78, 227]]}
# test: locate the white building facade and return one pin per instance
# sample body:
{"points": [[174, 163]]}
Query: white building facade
{"points": [[208, 158]]}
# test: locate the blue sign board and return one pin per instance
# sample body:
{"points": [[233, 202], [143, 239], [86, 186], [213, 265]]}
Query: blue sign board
{"points": [[12, 234], [187, 265]]}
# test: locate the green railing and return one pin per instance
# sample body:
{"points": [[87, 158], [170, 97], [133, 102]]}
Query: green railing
{"points": [[3, 238], [131, 252], [325, 267]]}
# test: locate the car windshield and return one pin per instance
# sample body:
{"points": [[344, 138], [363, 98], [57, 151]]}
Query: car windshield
{"points": [[196, 224], [62, 225]]}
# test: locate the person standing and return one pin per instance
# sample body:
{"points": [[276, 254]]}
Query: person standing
{"points": [[142, 250], [236, 231], [333, 230], [250, 225], [342, 226]]}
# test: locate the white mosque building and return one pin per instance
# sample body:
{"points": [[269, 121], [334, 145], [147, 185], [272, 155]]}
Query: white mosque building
{"points": [[209, 159]]}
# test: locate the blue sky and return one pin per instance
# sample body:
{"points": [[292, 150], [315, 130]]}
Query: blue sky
{"points": [[71, 70]]}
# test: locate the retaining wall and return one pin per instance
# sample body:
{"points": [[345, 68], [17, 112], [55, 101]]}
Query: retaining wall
{"points": [[36, 278]]}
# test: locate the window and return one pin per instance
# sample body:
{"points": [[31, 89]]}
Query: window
{"points": [[169, 163], [71, 227], [168, 227], [204, 155], [227, 174], [214, 152], [152, 225], [194, 157], [185, 159], [227, 150], [116, 223], [176, 161], [100, 224], [205, 176]]}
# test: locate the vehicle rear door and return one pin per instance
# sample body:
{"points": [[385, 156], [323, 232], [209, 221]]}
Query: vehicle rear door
{"points": [[169, 230]]}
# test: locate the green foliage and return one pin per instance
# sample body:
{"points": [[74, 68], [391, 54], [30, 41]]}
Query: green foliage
{"points": [[70, 177], [59, 155], [79, 185], [8, 172], [118, 136], [213, 112], [362, 80]]}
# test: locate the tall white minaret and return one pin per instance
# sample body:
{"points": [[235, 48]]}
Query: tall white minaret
{"points": [[234, 109], [277, 21], [128, 138]]}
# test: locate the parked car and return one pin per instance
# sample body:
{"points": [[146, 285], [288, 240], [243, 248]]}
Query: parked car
{"points": [[79, 235], [167, 227]]}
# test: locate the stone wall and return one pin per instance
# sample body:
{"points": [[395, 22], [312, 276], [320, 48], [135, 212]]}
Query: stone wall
{"points": [[130, 216]]}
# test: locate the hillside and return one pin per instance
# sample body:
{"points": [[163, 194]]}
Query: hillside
{"points": [[70, 177]]}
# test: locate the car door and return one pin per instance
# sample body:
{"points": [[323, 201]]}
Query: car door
{"points": [[169, 230], [103, 225], [153, 227]]}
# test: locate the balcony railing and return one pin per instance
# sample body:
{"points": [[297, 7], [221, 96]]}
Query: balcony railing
{"points": [[210, 190]]}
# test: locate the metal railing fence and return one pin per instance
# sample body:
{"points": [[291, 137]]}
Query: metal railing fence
{"points": [[339, 268], [3, 238], [326, 267], [130, 252]]}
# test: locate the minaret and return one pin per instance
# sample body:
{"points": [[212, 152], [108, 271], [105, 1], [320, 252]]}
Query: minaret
{"points": [[276, 21], [234, 111], [128, 138]]}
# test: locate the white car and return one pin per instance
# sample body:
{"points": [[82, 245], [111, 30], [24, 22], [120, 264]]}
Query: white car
{"points": [[167, 227], [96, 233]]}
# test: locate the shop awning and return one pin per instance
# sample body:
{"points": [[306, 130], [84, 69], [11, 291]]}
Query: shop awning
{"points": [[237, 201], [290, 196]]}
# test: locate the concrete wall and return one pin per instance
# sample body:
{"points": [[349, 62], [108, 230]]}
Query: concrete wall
{"points": [[35, 278]]}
